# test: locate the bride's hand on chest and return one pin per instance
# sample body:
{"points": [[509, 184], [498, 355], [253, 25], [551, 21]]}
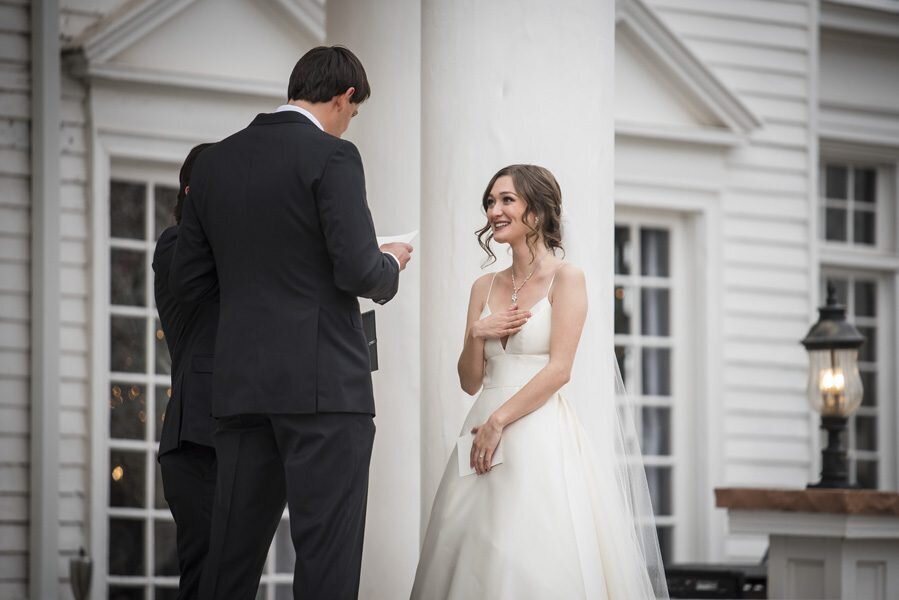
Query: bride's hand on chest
{"points": [[501, 324]]}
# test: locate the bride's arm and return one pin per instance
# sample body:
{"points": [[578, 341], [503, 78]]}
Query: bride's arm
{"points": [[471, 361], [569, 311]]}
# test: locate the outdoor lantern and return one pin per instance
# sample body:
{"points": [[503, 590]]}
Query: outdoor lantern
{"points": [[834, 384], [80, 569]]}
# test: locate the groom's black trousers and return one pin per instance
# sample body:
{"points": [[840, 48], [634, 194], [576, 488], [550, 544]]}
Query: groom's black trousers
{"points": [[318, 464], [188, 481]]}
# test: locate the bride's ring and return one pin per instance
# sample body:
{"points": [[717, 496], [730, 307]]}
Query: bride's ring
{"points": [[481, 455]]}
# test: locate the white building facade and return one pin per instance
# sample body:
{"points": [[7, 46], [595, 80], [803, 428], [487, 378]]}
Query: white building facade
{"points": [[732, 158]]}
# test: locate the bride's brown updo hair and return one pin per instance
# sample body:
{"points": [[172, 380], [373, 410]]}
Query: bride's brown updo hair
{"points": [[543, 199]]}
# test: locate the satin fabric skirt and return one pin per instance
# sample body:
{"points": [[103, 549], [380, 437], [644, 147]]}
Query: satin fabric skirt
{"points": [[525, 530]]}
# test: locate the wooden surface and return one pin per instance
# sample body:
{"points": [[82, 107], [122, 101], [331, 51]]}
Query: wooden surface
{"points": [[849, 502]]}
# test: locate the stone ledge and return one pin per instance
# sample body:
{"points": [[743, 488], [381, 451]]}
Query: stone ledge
{"points": [[845, 502]]}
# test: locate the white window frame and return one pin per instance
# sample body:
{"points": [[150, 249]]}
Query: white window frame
{"points": [[150, 176], [885, 410], [882, 260], [681, 402]]}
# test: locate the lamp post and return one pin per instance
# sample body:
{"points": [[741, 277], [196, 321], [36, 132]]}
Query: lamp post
{"points": [[834, 385]]}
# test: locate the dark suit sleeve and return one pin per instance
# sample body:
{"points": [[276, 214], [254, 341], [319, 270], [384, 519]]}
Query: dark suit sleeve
{"points": [[360, 268], [193, 277]]}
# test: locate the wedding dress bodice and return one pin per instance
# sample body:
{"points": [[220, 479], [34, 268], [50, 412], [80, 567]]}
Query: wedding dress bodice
{"points": [[525, 353]]}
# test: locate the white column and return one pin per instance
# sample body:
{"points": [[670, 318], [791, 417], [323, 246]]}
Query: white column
{"points": [[43, 547], [508, 81], [385, 37]]}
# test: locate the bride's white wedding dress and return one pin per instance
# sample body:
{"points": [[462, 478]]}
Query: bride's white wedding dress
{"points": [[535, 526]]}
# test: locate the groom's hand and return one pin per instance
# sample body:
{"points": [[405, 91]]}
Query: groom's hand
{"points": [[402, 252]]}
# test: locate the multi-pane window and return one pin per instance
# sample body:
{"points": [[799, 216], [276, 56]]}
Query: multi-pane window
{"points": [[644, 346], [859, 293], [142, 558], [849, 204]]}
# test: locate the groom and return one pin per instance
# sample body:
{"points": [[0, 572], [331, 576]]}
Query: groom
{"points": [[278, 222]]}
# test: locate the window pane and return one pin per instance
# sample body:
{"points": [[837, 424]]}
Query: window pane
{"points": [[869, 384], [835, 224], [654, 252], [659, 480], [163, 359], [163, 393], [655, 311], [166, 593], [865, 299], [868, 351], [622, 250], [863, 228], [836, 182], [865, 433], [283, 592], [126, 549], [867, 474], [622, 311], [120, 592], [285, 556], [126, 210], [666, 544], [655, 431], [657, 371], [127, 344], [164, 550], [127, 278], [127, 483], [865, 185], [127, 411], [165, 197], [622, 356]]}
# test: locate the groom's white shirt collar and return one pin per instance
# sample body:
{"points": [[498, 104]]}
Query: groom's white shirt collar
{"points": [[312, 118], [302, 111]]}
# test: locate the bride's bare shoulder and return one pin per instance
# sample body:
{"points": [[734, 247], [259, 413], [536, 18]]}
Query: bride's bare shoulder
{"points": [[568, 279], [569, 273]]}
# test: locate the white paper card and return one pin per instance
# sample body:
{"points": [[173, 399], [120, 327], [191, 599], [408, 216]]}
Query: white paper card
{"points": [[405, 238], [463, 450]]}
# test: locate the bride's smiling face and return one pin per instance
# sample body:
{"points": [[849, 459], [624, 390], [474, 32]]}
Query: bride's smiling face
{"points": [[505, 208]]}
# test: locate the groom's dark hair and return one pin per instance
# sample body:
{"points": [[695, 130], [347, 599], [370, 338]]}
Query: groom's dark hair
{"points": [[184, 178], [325, 72]]}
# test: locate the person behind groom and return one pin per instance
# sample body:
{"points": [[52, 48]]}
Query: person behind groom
{"points": [[186, 455], [278, 222]]}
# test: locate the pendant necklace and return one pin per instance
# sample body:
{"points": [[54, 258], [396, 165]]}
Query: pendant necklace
{"points": [[517, 289]]}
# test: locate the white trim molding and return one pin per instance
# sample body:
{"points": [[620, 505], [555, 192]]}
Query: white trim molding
{"points": [[43, 522], [308, 14], [709, 136], [675, 57], [110, 72], [124, 27]]}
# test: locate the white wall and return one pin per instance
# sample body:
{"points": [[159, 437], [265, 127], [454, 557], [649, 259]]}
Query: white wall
{"points": [[764, 51]]}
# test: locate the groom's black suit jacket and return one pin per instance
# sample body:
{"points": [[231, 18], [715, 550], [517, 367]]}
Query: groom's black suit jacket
{"points": [[277, 220]]}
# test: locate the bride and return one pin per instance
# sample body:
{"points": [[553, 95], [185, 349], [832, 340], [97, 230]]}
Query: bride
{"points": [[554, 519]]}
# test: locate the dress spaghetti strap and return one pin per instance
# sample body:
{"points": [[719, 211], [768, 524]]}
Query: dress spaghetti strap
{"points": [[549, 289], [490, 289]]}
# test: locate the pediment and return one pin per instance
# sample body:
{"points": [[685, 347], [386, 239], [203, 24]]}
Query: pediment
{"points": [[250, 44], [664, 90]]}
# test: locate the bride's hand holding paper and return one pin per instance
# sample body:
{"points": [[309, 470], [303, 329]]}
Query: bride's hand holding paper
{"points": [[484, 445]]}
